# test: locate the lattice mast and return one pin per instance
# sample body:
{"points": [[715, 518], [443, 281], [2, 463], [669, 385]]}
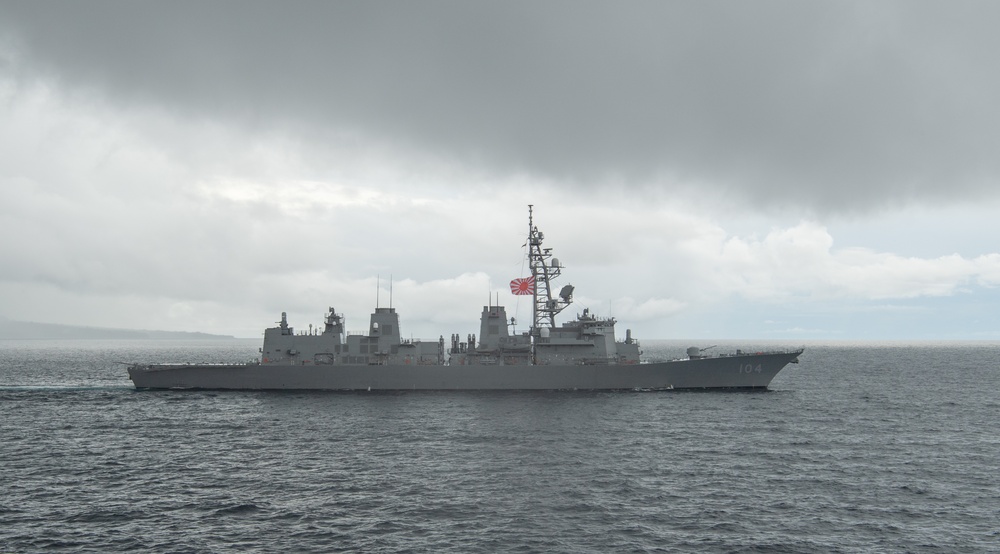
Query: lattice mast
{"points": [[544, 271]]}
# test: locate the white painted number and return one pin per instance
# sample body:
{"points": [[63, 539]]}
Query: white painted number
{"points": [[749, 368]]}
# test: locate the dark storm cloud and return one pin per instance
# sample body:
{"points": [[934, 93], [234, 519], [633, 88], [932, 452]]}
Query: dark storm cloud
{"points": [[832, 104]]}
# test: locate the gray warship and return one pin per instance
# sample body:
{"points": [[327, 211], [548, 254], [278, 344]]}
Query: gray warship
{"points": [[582, 354]]}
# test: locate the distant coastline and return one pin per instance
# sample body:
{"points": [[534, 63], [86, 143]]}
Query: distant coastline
{"points": [[26, 330]]}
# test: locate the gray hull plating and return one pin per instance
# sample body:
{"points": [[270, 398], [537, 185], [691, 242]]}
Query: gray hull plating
{"points": [[723, 372]]}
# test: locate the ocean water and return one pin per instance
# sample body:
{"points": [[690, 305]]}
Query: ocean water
{"points": [[864, 447]]}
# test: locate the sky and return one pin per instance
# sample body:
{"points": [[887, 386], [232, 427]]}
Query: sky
{"points": [[789, 170]]}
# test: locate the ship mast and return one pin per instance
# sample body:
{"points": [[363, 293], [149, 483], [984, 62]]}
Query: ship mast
{"points": [[544, 271]]}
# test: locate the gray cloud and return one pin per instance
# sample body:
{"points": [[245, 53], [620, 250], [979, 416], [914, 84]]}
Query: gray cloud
{"points": [[829, 105], [833, 105]]}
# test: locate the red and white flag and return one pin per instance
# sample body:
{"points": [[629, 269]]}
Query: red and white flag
{"points": [[525, 286]]}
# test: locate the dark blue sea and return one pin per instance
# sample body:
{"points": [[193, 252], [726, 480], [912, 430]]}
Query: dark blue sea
{"points": [[869, 447]]}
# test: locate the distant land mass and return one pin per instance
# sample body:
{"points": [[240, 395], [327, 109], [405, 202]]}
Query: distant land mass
{"points": [[10, 329]]}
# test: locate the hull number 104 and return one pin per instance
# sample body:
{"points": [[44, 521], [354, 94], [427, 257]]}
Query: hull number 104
{"points": [[749, 368]]}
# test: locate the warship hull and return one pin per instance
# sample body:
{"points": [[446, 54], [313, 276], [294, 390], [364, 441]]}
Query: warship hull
{"points": [[579, 354], [743, 371]]}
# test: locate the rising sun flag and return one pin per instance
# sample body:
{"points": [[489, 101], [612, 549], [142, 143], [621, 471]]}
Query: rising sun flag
{"points": [[525, 286]]}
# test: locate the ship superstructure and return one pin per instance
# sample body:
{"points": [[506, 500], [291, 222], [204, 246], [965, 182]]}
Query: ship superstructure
{"points": [[380, 345]]}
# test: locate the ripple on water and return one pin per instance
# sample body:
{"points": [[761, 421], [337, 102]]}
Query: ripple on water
{"points": [[852, 452]]}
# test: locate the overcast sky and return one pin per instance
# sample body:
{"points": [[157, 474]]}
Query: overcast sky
{"points": [[774, 170]]}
